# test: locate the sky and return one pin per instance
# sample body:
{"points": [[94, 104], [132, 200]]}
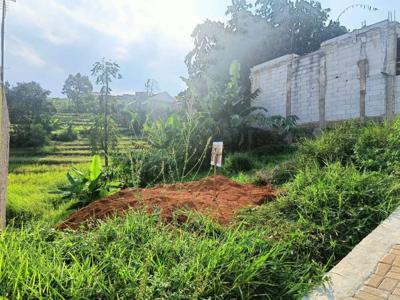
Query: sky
{"points": [[46, 40]]}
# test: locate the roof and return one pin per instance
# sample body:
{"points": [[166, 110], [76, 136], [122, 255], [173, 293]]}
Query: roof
{"points": [[163, 97]]}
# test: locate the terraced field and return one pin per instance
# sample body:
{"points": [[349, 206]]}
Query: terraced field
{"points": [[35, 174]]}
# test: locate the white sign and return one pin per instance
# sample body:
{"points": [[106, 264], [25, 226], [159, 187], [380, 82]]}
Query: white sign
{"points": [[216, 154]]}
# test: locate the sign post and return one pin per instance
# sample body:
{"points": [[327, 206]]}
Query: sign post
{"points": [[216, 158]]}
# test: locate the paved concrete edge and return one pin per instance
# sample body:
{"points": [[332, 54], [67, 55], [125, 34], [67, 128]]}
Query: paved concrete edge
{"points": [[353, 270]]}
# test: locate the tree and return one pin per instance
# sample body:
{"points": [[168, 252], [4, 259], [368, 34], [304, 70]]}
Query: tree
{"points": [[255, 34], [151, 87], [105, 71], [75, 88], [30, 114], [227, 109]]}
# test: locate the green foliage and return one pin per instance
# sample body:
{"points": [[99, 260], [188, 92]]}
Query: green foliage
{"points": [[33, 136], [282, 173], [67, 134], [103, 135], [369, 146], [78, 88], [105, 71], [139, 258], [333, 145], [238, 162], [285, 125], [225, 108], [29, 194], [293, 26], [85, 187], [30, 114], [336, 206], [177, 150]]}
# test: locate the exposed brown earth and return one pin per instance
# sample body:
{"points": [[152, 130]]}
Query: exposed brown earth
{"points": [[220, 199]]}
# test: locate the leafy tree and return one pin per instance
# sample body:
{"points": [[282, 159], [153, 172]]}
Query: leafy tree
{"points": [[105, 71], [303, 22], [76, 87], [30, 114], [255, 34], [226, 108]]}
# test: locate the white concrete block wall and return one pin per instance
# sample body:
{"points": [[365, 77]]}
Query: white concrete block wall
{"points": [[376, 53], [342, 97], [273, 87], [272, 81], [305, 88]]}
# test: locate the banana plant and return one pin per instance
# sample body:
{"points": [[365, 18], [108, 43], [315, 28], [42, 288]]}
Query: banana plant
{"points": [[86, 186]]}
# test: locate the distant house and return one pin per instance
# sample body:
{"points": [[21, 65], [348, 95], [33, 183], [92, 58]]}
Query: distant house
{"points": [[141, 96], [125, 97], [158, 106], [161, 105]]}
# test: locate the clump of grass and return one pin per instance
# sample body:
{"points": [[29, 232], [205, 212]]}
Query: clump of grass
{"points": [[337, 206]]}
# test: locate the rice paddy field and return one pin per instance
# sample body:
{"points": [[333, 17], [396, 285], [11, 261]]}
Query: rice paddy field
{"points": [[35, 174]]}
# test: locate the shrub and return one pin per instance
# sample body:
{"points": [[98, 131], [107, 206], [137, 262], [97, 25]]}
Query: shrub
{"points": [[65, 135], [34, 135], [282, 173], [273, 149], [176, 150], [239, 162]]}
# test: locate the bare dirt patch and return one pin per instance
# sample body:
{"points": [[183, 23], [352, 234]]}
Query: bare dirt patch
{"points": [[220, 199]]}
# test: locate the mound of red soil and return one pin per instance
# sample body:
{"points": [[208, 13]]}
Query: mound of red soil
{"points": [[220, 198]]}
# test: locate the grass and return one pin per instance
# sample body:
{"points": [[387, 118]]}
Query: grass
{"points": [[139, 258], [341, 186], [36, 173], [31, 192]]}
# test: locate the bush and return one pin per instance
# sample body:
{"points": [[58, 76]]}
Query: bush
{"points": [[333, 145], [34, 135], [66, 135], [279, 175], [369, 146], [176, 150], [239, 162], [273, 149]]}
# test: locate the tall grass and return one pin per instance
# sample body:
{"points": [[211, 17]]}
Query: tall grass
{"points": [[138, 258]]}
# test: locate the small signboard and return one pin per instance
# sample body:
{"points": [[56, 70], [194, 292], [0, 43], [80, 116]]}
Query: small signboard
{"points": [[216, 154]]}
